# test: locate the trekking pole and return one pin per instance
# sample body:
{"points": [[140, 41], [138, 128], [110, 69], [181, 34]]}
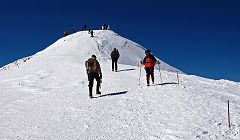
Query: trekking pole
{"points": [[229, 124], [140, 67], [178, 77], [160, 72]]}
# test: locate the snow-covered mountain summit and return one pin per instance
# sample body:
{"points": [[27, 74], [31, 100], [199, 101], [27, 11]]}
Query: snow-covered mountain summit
{"points": [[81, 46], [45, 96]]}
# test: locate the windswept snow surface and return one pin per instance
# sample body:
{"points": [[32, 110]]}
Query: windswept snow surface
{"points": [[45, 96]]}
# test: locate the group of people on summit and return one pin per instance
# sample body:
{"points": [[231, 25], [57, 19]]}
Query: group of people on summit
{"points": [[85, 28], [93, 69]]}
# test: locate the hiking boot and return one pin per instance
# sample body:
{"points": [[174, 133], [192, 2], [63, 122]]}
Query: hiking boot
{"points": [[147, 83], [98, 92], [90, 97]]}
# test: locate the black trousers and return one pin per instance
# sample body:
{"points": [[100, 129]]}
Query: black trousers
{"points": [[114, 63], [149, 72], [91, 77]]}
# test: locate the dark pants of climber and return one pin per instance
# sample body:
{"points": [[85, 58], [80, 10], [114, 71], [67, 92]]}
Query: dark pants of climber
{"points": [[91, 78], [114, 63], [150, 71]]}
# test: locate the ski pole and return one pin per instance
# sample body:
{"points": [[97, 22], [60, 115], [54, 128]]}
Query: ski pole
{"points": [[160, 72], [140, 67], [178, 77]]}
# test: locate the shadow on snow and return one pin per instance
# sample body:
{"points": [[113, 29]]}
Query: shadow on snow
{"points": [[125, 70], [113, 94], [172, 83]]}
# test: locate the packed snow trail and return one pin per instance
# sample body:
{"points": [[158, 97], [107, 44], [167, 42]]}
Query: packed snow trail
{"points": [[124, 111], [47, 98]]}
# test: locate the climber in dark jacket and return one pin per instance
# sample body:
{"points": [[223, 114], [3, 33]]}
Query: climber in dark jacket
{"points": [[114, 56]]}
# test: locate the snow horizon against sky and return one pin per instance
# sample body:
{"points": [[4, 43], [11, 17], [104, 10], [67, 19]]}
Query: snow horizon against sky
{"points": [[200, 38]]}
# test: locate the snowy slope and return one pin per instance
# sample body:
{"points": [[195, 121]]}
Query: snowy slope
{"points": [[45, 96], [80, 46]]}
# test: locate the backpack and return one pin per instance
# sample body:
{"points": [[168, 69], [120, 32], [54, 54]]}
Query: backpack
{"points": [[115, 54], [91, 66]]}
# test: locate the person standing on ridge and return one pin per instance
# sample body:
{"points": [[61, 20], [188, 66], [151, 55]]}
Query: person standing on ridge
{"points": [[85, 27], [94, 72], [91, 32], [149, 62], [74, 29], [65, 33], [114, 56]]}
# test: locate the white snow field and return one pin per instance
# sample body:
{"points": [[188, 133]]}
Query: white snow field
{"points": [[45, 96]]}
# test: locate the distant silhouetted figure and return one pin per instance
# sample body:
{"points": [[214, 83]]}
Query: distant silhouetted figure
{"points": [[91, 32], [108, 27], [74, 29], [104, 27], [85, 27], [65, 33]]}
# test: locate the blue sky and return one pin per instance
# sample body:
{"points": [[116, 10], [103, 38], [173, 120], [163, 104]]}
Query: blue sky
{"points": [[197, 37]]}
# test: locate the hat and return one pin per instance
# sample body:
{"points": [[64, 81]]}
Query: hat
{"points": [[94, 56], [147, 51]]}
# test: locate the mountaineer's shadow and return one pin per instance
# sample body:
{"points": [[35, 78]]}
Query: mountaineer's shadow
{"points": [[113, 94], [170, 83], [126, 70]]}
